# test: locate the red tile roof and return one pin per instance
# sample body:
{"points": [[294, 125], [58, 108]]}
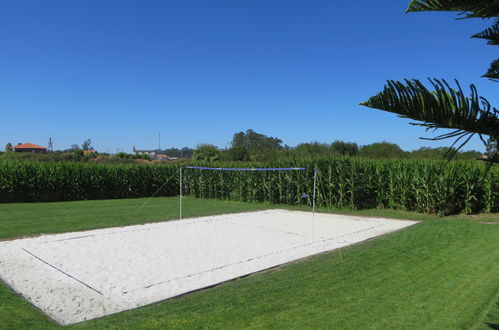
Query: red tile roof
{"points": [[27, 146]]}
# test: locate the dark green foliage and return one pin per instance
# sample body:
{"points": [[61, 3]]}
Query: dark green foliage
{"points": [[312, 149], [206, 152], [382, 150], [344, 148], [57, 156], [417, 185], [74, 156], [443, 153], [468, 9], [124, 155], [429, 186], [251, 145], [317, 149], [491, 34], [185, 152], [493, 71], [471, 8], [445, 107], [22, 181]]}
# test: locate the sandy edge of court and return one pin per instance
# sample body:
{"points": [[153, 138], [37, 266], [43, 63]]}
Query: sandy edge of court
{"points": [[68, 301], [317, 212]]}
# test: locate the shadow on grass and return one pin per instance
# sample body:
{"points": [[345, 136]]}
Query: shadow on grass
{"points": [[493, 325]]}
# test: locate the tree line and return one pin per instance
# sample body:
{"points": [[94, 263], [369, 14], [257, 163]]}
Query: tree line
{"points": [[86, 152], [253, 146]]}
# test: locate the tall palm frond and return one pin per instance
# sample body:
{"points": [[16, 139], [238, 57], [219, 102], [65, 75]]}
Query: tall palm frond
{"points": [[491, 34], [493, 72], [445, 107], [469, 8]]}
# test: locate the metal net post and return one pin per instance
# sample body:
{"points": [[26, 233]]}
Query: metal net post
{"points": [[180, 192]]}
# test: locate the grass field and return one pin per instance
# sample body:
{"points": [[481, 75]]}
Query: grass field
{"points": [[442, 273]]}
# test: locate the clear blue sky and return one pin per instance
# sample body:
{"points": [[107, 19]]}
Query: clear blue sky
{"points": [[120, 72]]}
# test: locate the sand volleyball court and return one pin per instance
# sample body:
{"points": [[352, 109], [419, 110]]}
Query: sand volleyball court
{"points": [[78, 276]]}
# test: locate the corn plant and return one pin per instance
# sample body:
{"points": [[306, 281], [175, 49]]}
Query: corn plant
{"points": [[421, 185]]}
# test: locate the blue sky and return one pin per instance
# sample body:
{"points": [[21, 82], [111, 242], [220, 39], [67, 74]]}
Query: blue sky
{"points": [[120, 72]]}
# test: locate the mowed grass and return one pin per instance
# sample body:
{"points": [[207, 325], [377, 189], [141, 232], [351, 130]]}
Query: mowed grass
{"points": [[28, 219], [442, 273]]}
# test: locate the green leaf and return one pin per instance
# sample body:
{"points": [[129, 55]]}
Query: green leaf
{"points": [[470, 8], [491, 34], [493, 71], [445, 107]]}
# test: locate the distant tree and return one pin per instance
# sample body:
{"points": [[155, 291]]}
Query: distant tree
{"points": [[225, 155], [7, 147], [428, 153], [251, 145], [140, 156], [172, 152], [492, 148], [78, 152], [312, 149], [185, 152], [239, 153], [382, 150], [206, 152], [123, 155], [470, 154], [344, 148], [86, 145], [442, 153]]}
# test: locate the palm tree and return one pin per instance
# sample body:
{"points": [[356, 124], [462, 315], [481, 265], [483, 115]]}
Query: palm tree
{"points": [[469, 9], [445, 106]]}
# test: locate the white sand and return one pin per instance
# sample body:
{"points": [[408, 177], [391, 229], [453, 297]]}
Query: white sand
{"points": [[78, 276]]}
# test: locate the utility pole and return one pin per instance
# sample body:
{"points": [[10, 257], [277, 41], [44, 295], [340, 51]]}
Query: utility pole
{"points": [[159, 141], [50, 146]]}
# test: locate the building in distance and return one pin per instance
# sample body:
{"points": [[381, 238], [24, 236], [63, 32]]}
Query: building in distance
{"points": [[29, 147], [150, 153]]}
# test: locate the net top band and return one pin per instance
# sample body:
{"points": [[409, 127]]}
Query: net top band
{"points": [[248, 169]]}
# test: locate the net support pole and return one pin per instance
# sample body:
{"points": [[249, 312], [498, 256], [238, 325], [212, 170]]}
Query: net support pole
{"points": [[315, 188], [180, 206], [313, 203]]}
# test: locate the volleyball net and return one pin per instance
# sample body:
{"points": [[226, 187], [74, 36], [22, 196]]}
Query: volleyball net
{"points": [[225, 169]]}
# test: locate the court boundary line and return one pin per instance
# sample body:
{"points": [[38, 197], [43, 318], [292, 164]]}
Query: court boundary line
{"points": [[324, 240], [60, 270]]}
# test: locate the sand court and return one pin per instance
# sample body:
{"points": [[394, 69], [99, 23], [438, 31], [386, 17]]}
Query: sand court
{"points": [[78, 276]]}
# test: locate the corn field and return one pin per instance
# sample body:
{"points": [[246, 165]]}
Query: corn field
{"points": [[22, 181], [417, 185]]}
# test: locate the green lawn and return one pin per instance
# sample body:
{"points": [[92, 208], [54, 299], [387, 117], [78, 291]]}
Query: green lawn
{"points": [[442, 273]]}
